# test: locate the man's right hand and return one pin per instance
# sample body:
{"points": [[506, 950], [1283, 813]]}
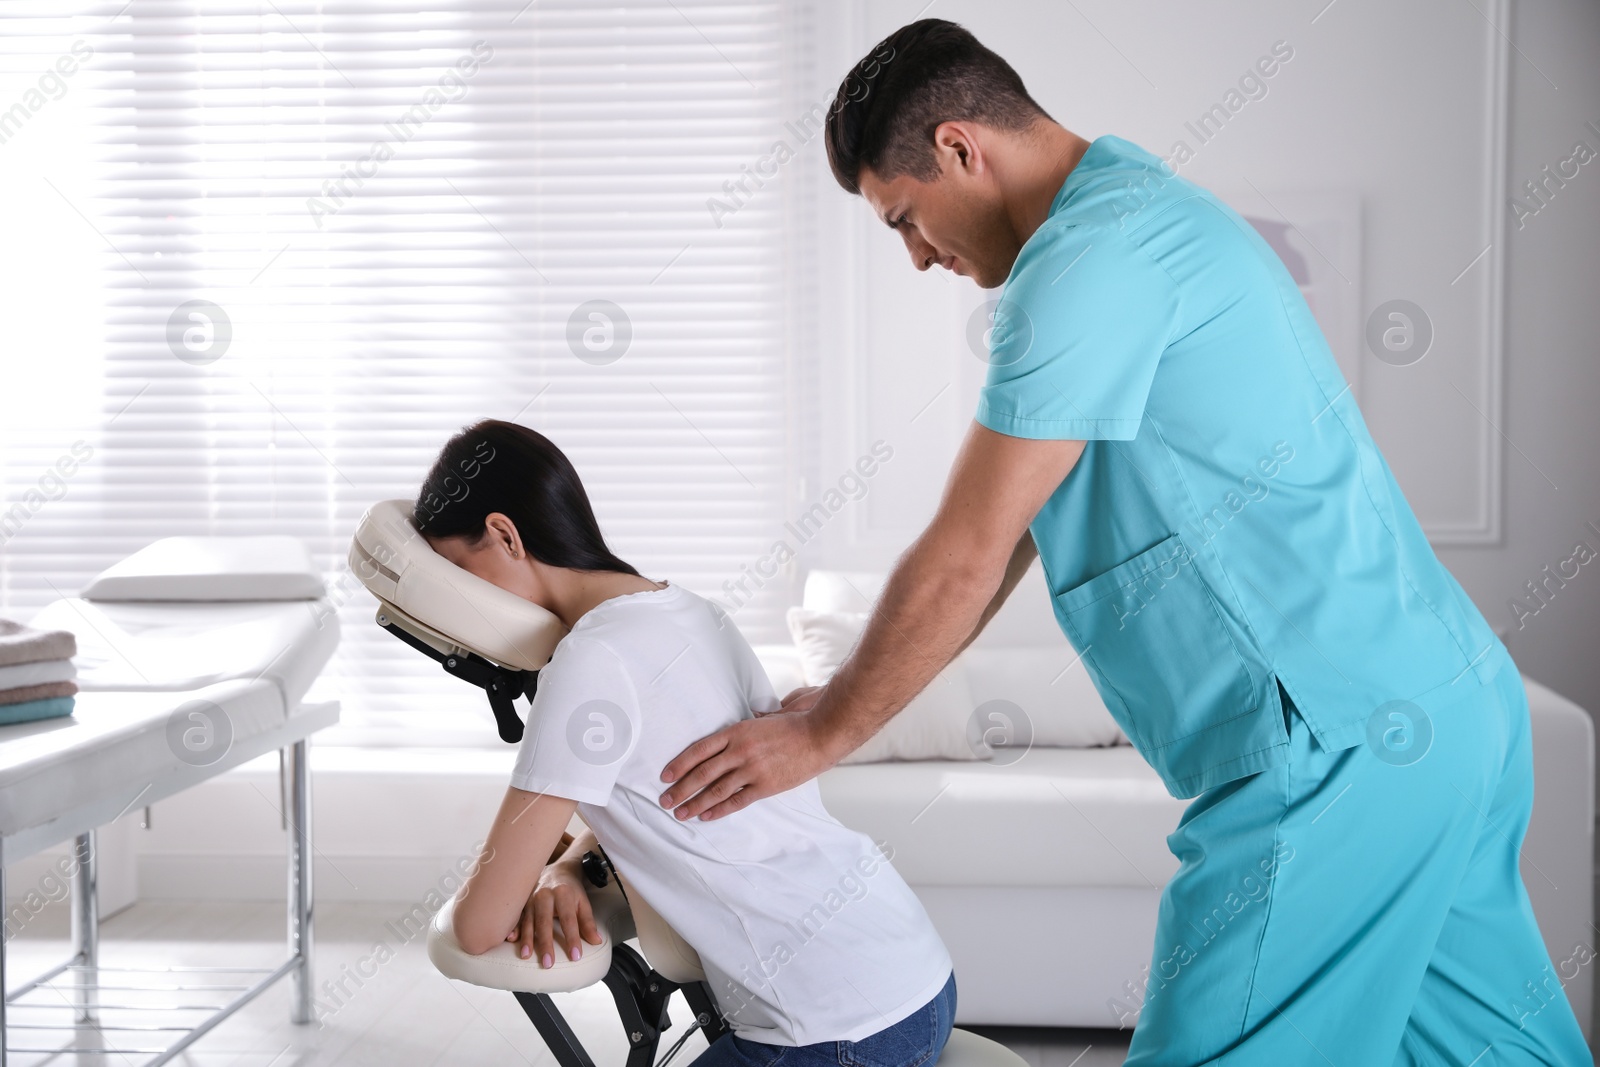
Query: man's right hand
{"points": [[748, 760]]}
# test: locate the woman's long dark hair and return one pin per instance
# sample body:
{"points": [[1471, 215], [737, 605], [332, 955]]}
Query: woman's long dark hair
{"points": [[494, 465]]}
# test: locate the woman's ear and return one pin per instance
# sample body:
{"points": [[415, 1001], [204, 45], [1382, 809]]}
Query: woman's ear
{"points": [[504, 531]]}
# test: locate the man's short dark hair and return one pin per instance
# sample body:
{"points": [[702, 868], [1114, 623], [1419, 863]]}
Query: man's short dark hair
{"points": [[921, 75]]}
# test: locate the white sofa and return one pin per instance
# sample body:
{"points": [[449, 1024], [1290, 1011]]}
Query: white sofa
{"points": [[1043, 874]]}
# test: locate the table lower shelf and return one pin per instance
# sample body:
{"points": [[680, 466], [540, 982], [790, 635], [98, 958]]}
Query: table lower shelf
{"points": [[71, 999]]}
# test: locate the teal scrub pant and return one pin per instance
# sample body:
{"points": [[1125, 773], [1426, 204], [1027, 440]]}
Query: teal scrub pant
{"points": [[1355, 909]]}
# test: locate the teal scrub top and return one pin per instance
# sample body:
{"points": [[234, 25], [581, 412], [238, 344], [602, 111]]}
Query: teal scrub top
{"points": [[1230, 527]]}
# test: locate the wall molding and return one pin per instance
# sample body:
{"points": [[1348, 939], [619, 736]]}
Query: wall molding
{"points": [[1487, 526]]}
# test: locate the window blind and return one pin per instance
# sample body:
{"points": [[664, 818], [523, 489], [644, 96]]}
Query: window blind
{"points": [[265, 257]]}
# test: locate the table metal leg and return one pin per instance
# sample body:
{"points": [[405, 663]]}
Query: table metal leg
{"points": [[86, 921], [2, 973], [84, 963], [300, 858]]}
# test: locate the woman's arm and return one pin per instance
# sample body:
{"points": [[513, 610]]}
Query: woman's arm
{"points": [[526, 831], [562, 894]]}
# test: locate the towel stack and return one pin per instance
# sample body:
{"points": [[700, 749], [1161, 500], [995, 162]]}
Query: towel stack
{"points": [[36, 673]]}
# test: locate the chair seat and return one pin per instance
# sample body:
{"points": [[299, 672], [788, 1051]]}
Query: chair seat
{"points": [[502, 968], [967, 1049]]}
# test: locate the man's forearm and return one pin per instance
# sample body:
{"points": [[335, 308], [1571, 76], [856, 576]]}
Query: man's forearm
{"points": [[1022, 558], [928, 612]]}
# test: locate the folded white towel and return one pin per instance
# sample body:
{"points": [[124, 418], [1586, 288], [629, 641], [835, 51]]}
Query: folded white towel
{"points": [[37, 673]]}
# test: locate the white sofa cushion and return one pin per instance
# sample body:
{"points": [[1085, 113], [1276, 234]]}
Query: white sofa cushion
{"points": [[1057, 817], [938, 722], [1049, 687]]}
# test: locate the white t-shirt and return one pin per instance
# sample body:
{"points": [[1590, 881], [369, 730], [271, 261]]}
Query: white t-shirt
{"points": [[805, 930]]}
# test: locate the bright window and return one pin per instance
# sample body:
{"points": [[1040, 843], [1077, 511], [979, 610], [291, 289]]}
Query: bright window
{"points": [[263, 258]]}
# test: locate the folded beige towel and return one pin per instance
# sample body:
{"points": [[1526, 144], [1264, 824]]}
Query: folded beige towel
{"points": [[37, 692], [24, 644]]}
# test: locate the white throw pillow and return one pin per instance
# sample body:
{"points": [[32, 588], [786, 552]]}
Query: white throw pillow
{"points": [[843, 590], [1033, 668], [782, 666], [934, 725]]}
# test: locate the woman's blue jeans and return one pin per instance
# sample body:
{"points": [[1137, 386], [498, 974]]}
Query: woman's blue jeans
{"points": [[913, 1041]]}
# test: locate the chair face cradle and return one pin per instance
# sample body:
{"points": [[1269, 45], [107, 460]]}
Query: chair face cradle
{"points": [[476, 630]]}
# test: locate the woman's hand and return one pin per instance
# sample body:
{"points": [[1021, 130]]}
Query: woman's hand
{"points": [[559, 895], [526, 830]]}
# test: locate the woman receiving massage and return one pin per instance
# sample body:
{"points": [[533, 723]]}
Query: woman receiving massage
{"points": [[816, 951]]}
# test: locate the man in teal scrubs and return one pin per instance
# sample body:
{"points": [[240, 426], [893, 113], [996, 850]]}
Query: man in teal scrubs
{"points": [[1164, 425]]}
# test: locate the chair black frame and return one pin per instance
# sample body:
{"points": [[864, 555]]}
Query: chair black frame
{"points": [[503, 684], [641, 995]]}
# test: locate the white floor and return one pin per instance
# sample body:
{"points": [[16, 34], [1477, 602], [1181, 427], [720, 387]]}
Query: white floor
{"points": [[393, 1009]]}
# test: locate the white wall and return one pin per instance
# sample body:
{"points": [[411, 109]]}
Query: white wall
{"points": [[1552, 369]]}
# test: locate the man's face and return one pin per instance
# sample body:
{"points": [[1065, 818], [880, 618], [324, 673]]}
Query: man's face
{"points": [[957, 221]]}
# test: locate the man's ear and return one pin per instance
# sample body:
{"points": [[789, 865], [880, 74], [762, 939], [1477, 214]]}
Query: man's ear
{"points": [[957, 145]]}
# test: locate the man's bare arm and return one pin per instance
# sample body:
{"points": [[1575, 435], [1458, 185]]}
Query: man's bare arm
{"points": [[934, 602], [939, 592], [1022, 558]]}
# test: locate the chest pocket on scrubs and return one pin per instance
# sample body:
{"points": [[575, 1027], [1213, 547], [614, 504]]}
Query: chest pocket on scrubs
{"points": [[1167, 664]]}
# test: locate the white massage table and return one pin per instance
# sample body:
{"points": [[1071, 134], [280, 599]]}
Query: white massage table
{"points": [[171, 692]]}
